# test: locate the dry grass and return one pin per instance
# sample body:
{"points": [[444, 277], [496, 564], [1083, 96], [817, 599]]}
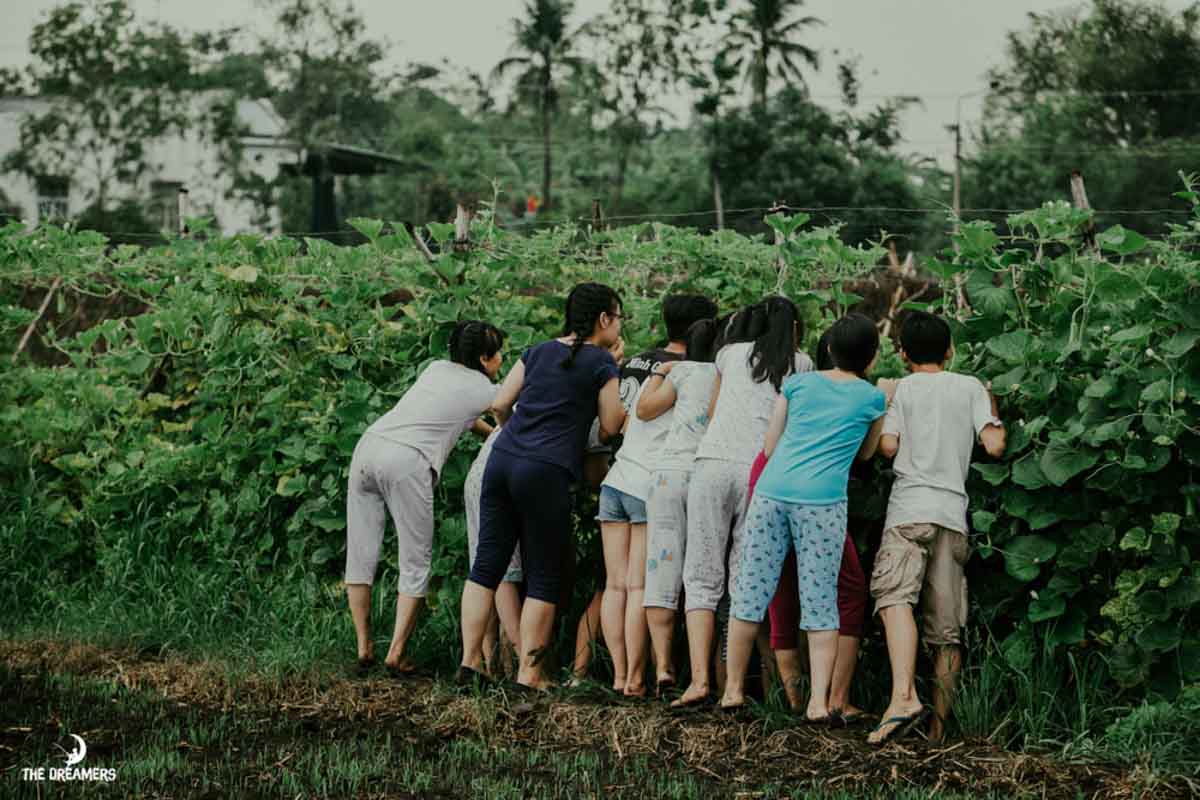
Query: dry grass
{"points": [[736, 753]]}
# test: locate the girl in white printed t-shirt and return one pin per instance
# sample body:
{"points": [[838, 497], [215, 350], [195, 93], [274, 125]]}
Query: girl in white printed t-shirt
{"points": [[759, 351], [393, 471], [685, 389]]}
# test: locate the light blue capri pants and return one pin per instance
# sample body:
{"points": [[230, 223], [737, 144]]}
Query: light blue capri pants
{"points": [[818, 534]]}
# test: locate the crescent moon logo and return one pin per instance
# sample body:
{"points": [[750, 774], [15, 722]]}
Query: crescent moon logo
{"points": [[79, 753]]}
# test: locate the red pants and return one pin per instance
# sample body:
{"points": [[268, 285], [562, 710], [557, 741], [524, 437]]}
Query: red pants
{"points": [[784, 610]]}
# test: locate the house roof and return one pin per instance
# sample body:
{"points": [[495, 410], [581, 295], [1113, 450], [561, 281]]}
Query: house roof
{"points": [[344, 159]]}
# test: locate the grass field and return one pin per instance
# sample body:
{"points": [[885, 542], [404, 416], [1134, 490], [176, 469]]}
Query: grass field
{"points": [[183, 728]]}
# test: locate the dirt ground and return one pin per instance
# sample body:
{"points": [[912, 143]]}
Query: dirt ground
{"points": [[733, 753]]}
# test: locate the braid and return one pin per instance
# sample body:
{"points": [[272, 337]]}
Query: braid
{"points": [[585, 304]]}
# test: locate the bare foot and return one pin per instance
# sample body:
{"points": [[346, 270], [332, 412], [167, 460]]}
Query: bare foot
{"points": [[632, 690], [895, 717], [733, 700], [695, 693], [937, 730], [401, 664], [816, 711], [367, 655]]}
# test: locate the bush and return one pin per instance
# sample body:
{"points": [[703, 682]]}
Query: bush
{"points": [[217, 427]]}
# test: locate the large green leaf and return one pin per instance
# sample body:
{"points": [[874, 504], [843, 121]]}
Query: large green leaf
{"points": [[1158, 637], [1120, 240], [1010, 347], [1028, 473], [1046, 606], [1062, 461], [1024, 556]]}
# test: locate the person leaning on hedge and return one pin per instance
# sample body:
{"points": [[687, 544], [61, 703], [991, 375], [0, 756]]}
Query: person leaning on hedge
{"points": [[393, 471]]}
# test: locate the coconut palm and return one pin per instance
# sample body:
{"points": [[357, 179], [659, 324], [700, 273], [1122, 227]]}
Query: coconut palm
{"points": [[543, 46], [762, 38]]}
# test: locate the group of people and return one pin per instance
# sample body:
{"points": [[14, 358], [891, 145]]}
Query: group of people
{"points": [[727, 493]]}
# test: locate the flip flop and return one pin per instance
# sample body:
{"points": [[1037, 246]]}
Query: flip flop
{"points": [[700, 706], [840, 719], [904, 725], [663, 685], [820, 722]]}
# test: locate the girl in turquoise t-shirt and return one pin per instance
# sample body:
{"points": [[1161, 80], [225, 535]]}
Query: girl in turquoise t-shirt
{"points": [[822, 421]]}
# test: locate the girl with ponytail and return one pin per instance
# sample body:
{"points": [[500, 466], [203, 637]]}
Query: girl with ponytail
{"points": [[557, 388], [760, 349]]}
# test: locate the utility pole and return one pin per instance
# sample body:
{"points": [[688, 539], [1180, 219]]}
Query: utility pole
{"points": [[957, 172]]}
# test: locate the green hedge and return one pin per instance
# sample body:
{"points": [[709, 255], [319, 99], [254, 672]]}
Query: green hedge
{"points": [[222, 420]]}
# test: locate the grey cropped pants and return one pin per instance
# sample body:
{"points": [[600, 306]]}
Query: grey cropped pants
{"points": [[387, 478]]}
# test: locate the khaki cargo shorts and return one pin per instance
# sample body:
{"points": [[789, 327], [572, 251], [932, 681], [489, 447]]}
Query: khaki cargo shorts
{"points": [[922, 555]]}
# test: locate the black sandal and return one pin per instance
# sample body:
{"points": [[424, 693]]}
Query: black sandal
{"points": [[904, 725]]}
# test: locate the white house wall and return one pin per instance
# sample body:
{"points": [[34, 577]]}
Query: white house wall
{"points": [[183, 159]]}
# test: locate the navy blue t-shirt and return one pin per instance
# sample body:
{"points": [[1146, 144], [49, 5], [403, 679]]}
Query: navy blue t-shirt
{"points": [[556, 406]]}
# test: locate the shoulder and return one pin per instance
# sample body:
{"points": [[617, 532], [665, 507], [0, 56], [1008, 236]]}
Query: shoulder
{"points": [[803, 363], [797, 382]]}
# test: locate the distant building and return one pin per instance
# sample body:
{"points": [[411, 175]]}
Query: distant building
{"points": [[177, 161]]}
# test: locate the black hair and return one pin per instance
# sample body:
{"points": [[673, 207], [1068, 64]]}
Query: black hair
{"points": [[473, 338], [681, 310], [925, 338], [824, 359], [585, 304], [702, 339], [853, 343], [774, 354]]}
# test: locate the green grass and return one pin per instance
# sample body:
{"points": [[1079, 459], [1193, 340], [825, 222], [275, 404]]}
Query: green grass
{"points": [[161, 748]]}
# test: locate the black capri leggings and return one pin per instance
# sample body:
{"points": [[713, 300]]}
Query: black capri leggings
{"points": [[524, 502]]}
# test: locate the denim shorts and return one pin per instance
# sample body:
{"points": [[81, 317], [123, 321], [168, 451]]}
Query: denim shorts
{"points": [[616, 506]]}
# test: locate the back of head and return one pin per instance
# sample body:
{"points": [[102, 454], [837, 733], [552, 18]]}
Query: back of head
{"points": [[680, 311], [472, 339], [744, 325], [853, 343], [585, 303], [774, 354], [925, 338], [824, 359], [702, 339]]}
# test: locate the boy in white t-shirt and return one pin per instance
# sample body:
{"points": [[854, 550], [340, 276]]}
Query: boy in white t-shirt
{"points": [[931, 427]]}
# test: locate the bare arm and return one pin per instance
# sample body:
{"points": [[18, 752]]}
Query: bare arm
{"points": [[889, 445], [612, 412], [506, 397], [994, 439], [481, 428], [657, 398], [776, 426], [871, 440]]}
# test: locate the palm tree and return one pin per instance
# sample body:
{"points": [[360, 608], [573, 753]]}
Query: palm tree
{"points": [[762, 31], [542, 44]]}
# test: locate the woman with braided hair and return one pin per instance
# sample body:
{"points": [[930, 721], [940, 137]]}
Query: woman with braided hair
{"points": [[558, 387], [395, 466]]}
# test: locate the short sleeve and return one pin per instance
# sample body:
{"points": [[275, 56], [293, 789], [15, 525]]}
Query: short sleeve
{"points": [[604, 370], [893, 420], [485, 393], [526, 356], [803, 363], [981, 407], [877, 405], [790, 386], [678, 375]]}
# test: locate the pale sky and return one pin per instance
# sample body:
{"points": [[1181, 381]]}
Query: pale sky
{"points": [[936, 49]]}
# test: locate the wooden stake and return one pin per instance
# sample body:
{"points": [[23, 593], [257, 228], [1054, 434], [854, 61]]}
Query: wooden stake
{"points": [[597, 215], [181, 208], [1079, 199], [33, 323], [462, 228]]}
